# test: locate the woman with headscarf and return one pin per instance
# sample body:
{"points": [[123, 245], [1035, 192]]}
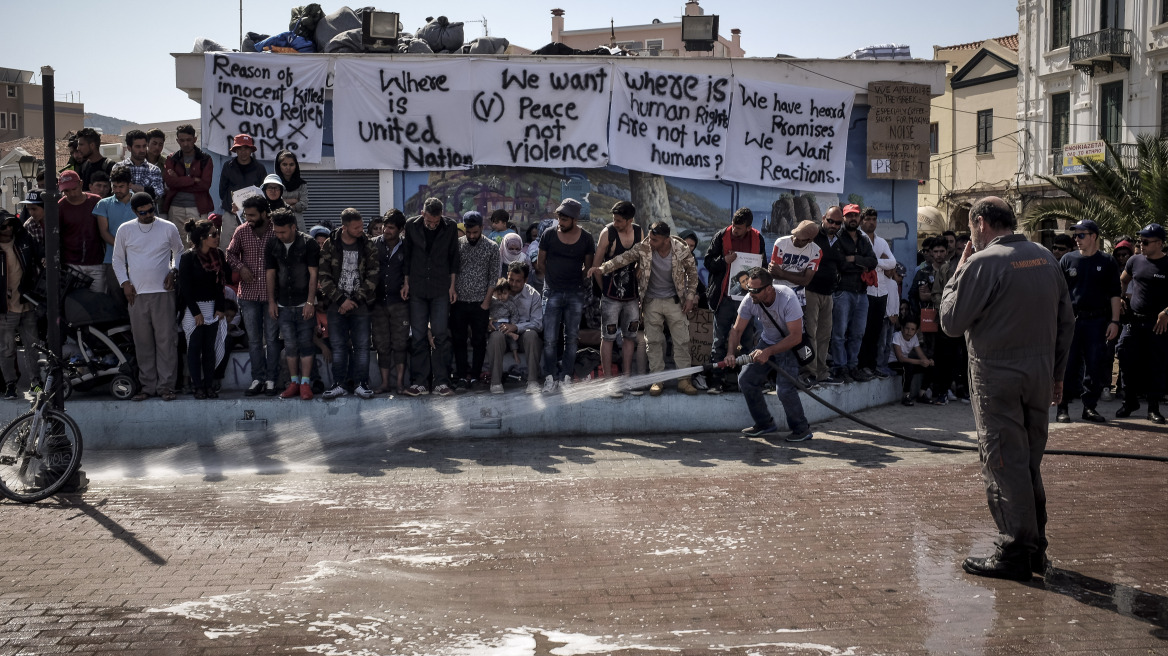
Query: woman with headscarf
{"points": [[203, 271], [295, 188], [511, 250]]}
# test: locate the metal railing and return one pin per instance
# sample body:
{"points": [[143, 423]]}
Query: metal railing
{"points": [[1111, 42]]}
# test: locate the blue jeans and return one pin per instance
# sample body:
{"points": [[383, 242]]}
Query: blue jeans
{"points": [[566, 309], [296, 331], [349, 339], [750, 381], [262, 333], [849, 316], [435, 313]]}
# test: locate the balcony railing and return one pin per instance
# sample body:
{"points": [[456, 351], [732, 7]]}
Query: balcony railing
{"points": [[1102, 50], [1128, 154]]}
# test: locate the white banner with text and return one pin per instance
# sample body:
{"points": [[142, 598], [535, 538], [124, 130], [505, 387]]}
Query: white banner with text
{"points": [[545, 115], [402, 116], [279, 101], [669, 123], [788, 136]]}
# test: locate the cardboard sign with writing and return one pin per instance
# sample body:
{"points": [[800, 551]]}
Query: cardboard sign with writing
{"points": [[669, 123], [898, 131], [548, 115], [787, 136], [402, 116], [278, 100]]}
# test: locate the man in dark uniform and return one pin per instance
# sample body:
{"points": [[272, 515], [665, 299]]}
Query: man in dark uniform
{"points": [[1093, 281], [1143, 348], [1010, 300]]}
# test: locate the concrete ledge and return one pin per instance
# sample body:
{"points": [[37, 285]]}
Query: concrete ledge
{"points": [[584, 410]]}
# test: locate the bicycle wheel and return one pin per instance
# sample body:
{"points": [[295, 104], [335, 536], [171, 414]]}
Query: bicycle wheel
{"points": [[28, 474]]}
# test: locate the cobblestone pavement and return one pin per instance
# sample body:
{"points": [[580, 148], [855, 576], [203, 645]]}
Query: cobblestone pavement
{"points": [[635, 545]]}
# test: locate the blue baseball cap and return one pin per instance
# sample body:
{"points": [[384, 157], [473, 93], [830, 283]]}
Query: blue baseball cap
{"points": [[1088, 225], [1154, 231]]}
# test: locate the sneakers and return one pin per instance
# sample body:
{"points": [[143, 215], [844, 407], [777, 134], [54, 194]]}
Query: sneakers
{"points": [[699, 381], [656, 389], [830, 381], [861, 375], [255, 388], [566, 383], [715, 389], [363, 391], [496, 388], [10, 392], [944, 400], [549, 385], [883, 373], [907, 400], [305, 392], [270, 388], [336, 392], [800, 436], [532, 387], [292, 390], [755, 431], [443, 390], [417, 390], [686, 387]]}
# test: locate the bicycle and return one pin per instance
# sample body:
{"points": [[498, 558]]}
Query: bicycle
{"points": [[41, 449]]}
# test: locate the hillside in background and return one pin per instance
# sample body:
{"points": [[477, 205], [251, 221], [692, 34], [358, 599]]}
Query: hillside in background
{"points": [[108, 124]]}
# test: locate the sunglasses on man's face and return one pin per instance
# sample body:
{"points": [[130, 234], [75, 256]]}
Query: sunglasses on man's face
{"points": [[1145, 242], [1060, 248], [830, 222], [1081, 235], [146, 212], [755, 290]]}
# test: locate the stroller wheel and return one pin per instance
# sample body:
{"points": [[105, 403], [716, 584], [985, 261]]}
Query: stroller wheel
{"points": [[123, 387]]}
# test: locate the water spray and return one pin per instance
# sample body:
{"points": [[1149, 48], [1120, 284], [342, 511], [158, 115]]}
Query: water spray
{"points": [[746, 359]]}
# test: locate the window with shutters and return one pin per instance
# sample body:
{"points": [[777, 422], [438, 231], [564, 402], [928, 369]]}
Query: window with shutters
{"points": [[1060, 120], [1060, 24], [1111, 112], [985, 131]]}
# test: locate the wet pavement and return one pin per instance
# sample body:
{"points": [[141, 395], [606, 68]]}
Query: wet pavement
{"points": [[652, 544]]}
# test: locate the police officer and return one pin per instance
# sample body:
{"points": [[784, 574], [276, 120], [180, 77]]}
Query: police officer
{"points": [[1008, 296], [1093, 281], [1143, 348]]}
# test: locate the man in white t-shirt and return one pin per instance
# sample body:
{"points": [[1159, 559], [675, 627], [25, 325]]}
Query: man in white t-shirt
{"points": [[780, 322], [144, 254], [877, 333], [796, 258]]}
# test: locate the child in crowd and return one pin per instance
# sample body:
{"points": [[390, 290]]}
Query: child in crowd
{"points": [[502, 311], [906, 349]]}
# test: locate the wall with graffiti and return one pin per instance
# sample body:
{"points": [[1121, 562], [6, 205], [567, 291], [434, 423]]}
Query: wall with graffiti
{"points": [[703, 206]]}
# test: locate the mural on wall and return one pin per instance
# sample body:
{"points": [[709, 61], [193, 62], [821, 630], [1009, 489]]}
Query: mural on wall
{"points": [[704, 206]]}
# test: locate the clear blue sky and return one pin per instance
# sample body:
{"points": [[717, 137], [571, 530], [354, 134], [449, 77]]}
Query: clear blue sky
{"points": [[135, 81]]}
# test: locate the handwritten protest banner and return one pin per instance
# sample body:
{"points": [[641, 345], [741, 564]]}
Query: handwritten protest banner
{"points": [[402, 116], [788, 136], [279, 101], [669, 123], [548, 115], [898, 131]]}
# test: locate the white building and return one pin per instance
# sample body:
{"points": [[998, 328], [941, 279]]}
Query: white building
{"points": [[1089, 70]]}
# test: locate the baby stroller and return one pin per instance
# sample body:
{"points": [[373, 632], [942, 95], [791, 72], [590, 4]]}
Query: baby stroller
{"points": [[101, 329]]}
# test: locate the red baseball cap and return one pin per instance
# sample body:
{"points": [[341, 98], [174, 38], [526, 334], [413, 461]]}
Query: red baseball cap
{"points": [[851, 209], [243, 140], [69, 180]]}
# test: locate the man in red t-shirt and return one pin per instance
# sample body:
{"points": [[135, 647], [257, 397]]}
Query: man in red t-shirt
{"points": [[81, 246]]}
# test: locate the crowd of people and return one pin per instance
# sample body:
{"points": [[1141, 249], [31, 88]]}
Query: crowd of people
{"points": [[446, 304]]}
